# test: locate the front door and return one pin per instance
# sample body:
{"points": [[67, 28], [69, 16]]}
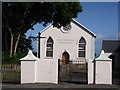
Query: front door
{"points": [[65, 58]]}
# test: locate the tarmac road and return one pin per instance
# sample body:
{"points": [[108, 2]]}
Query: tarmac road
{"points": [[15, 83], [61, 85]]}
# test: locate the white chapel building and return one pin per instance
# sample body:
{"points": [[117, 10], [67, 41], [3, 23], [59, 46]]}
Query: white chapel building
{"points": [[68, 43]]}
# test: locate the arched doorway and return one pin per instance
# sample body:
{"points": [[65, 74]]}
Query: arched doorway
{"points": [[65, 57]]}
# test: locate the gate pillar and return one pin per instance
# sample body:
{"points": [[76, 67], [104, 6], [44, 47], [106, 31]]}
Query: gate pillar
{"points": [[28, 68], [103, 71], [90, 71]]}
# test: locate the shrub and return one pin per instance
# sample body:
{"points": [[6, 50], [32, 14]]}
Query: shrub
{"points": [[6, 59]]}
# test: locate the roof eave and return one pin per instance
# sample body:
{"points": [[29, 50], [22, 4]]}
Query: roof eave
{"points": [[90, 32], [46, 28]]}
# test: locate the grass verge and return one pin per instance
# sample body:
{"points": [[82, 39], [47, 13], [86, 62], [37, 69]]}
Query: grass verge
{"points": [[10, 75]]}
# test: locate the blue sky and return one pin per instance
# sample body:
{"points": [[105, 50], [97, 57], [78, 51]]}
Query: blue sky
{"points": [[99, 17]]}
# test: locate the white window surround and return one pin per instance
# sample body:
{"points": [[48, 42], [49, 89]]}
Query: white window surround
{"points": [[78, 46], [47, 57]]}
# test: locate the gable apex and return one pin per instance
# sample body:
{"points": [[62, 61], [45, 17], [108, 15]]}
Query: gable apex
{"points": [[83, 27], [78, 24]]}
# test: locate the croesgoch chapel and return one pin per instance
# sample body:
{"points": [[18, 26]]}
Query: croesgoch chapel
{"points": [[66, 55], [67, 43]]}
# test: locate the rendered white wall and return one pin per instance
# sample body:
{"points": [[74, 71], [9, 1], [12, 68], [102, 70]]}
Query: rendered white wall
{"points": [[27, 72], [47, 71], [103, 72], [40, 71], [68, 42]]}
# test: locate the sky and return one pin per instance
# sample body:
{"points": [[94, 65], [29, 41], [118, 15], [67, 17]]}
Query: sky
{"points": [[99, 17]]}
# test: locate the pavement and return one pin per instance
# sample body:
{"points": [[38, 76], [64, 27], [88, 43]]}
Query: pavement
{"points": [[15, 83], [50, 85], [61, 85]]}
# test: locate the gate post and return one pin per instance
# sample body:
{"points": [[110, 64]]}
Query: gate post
{"points": [[103, 71], [90, 71], [28, 68]]}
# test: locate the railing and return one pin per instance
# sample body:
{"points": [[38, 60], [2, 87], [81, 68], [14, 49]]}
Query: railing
{"points": [[10, 68], [73, 71]]}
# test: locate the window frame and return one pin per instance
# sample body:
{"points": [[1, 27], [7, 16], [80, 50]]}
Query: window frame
{"points": [[82, 50], [47, 46]]}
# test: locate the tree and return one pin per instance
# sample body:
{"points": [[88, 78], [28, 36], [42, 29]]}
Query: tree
{"points": [[25, 43], [18, 18]]}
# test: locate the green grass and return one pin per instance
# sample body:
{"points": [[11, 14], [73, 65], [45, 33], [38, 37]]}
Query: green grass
{"points": [[10, 75]]}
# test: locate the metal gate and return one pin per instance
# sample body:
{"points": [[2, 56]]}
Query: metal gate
{"points": [[76, 71]]}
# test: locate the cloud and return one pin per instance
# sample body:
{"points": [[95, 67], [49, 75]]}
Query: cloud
{"points": [[100, 36], [118, 35]]}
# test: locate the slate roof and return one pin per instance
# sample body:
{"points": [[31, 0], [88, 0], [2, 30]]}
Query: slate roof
{"points": [[110, 46]]}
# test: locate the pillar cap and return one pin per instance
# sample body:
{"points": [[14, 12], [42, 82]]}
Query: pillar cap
{"points": [[103, 56], [29, 57]]}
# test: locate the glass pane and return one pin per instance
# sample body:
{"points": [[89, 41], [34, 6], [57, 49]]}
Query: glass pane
{"points": [[49, 49], [82, 46], [49, 53], [49, 45], [82, 40], [81, 54], [50, 40]]}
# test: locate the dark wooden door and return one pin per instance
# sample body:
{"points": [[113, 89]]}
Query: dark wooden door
{"points": [[65, 58]]}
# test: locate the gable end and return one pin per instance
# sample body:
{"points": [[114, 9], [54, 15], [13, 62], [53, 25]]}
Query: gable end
{"points": [[83, 27], [78, 24]]}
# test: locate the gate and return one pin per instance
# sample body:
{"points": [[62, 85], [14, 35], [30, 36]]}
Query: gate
{"points": [[76, 71]]}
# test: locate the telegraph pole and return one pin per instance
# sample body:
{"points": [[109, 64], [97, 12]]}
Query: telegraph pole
{"points": [[39, 37], [39, 44]]}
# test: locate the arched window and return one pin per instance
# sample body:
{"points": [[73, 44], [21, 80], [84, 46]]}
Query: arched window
{"points": [[49, 47], [81, 47]]}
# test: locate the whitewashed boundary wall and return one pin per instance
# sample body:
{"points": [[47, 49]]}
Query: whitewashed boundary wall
{"points": [[47, 71], [103, 71], [34, 70]]}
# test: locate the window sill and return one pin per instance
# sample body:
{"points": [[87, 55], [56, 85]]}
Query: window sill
{"points": [[80, 57], [48, 57]]}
